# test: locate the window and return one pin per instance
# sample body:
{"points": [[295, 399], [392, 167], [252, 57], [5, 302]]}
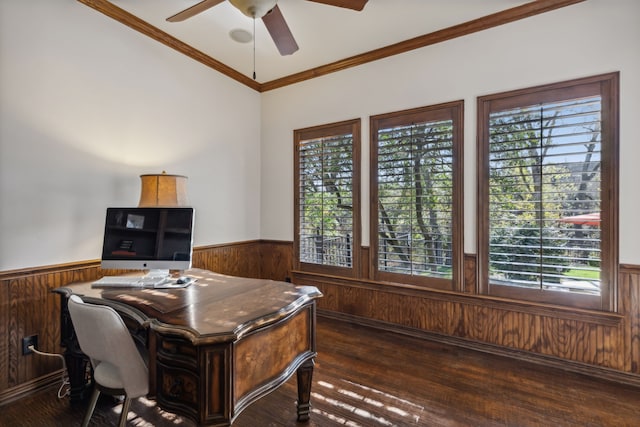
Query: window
{"points": [[416, 196], [327, 198], [548, 193]]}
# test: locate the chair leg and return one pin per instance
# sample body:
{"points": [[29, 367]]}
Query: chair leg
{"points": [[92, 406], [125, 411]]}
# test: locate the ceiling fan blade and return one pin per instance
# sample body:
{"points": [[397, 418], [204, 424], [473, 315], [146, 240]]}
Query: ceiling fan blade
{"points": [[280, 32], [348, 4], [194, 10]]}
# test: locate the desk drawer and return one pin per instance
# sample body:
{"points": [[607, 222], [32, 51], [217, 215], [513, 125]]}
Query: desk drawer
{"points": [[178, 388], [177, 350]]}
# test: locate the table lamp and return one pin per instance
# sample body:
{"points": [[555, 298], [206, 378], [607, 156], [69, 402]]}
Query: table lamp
{"points": [[163, 190]]}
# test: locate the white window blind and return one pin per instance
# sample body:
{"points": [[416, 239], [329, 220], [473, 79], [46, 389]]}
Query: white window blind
{"points": [[545, 196], [415, 206], [325, 167]]}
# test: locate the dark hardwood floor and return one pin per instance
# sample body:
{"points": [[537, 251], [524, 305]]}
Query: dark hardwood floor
{"points": [[368, 377]]}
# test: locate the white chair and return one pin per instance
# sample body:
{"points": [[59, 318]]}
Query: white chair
{"points": [[118, 367]]}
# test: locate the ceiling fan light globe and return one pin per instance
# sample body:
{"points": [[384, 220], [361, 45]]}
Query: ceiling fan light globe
{"points": [[254, 8]]}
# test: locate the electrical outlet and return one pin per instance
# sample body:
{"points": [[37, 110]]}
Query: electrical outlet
{"points": [[29, 341]]}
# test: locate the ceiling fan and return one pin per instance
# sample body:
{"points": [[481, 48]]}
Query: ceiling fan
{"points": [[270, 13]]}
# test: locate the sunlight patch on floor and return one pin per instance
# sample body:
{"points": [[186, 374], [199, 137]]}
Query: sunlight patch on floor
{"points": [[335, 418], [362, 393], [357, 411], [386, 395], [357, 396], [136, 420]]}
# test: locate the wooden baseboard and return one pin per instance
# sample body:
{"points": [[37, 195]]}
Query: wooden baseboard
{"points": [[30, 387], [553, 362]]}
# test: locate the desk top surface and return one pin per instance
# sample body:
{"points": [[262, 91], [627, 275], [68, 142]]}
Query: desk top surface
{"points": [[215, 307]]}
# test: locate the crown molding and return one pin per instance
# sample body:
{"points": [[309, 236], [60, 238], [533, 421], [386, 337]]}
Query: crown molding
{"points": [[489, 21]]}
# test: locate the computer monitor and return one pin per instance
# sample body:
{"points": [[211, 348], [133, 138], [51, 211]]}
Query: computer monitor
{"points": [[157, 239]]}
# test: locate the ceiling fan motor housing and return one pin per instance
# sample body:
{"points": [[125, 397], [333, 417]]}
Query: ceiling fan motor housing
{"points": [[254, 8]]}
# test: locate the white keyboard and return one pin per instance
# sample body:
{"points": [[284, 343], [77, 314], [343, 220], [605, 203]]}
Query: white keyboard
{"points": [[129, 282]]}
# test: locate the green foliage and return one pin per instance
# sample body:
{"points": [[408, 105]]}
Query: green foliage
{"points": [[415, 182], [528, 254], [326, 204], [544, 165]]}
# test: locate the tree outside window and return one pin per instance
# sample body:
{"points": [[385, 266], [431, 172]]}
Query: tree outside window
{"points": [[327, 209], [416, 196], [548, 155]]}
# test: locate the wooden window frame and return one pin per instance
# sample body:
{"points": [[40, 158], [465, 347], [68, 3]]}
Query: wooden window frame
{"points": [[445, 111], [607, 86], [352, 127]]}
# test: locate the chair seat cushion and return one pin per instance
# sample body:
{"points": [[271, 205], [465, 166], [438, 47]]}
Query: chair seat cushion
{"points": [[107, 375]]}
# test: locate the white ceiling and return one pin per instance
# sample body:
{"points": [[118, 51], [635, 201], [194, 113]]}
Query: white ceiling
{"points": [[325, 34]]}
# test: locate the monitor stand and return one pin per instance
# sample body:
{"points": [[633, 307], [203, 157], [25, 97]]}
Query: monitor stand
{"points": [[170, 281], [158, 273]]}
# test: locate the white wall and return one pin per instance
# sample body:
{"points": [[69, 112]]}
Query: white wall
{"points": [[593, 37], [86, 106]]}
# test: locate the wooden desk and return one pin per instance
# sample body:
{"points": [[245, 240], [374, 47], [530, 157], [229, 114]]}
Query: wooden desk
{"points": [[214, 347]]}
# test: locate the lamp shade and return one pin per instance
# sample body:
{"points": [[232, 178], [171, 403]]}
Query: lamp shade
{"points": [[163, 190]]}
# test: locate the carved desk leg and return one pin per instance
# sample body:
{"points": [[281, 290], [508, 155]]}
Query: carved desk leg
{"points": [[305, 376]]}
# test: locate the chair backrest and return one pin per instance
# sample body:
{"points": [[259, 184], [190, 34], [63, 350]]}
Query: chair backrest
{"points": [[104, 337]]}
